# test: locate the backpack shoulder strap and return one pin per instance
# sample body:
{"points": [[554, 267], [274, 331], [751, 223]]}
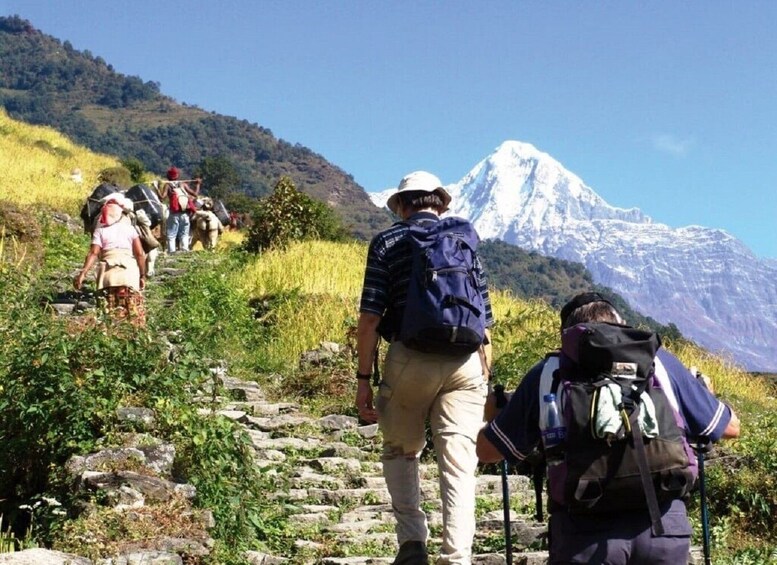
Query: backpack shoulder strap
{"points": [[662, 376], [644, 473]]}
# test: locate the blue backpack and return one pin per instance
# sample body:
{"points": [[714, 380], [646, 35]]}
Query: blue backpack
{"points": [[444, 312]]}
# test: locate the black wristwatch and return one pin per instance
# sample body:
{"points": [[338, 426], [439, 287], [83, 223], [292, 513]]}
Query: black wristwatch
{"points": [[363, 376]]}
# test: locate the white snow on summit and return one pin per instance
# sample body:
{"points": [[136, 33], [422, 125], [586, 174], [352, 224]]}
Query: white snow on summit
{"points": [[703, 280]]}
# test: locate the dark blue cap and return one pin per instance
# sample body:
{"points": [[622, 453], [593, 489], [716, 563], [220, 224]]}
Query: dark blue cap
{"points": [[581, 300]]}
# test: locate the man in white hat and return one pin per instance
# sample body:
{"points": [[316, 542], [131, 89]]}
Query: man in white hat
{"points": [[448, 390]]}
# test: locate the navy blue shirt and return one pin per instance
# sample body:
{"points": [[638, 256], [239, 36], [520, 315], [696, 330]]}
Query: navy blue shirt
{"points": [[515, 432]]}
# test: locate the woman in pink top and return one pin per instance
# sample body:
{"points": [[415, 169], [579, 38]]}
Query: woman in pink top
{"points": [[121, 271]]}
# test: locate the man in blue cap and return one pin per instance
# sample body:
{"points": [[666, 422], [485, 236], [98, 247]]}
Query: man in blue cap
{"points": [[618, 538]]}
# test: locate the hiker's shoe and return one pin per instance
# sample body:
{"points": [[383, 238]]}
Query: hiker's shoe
{"points": [[412, 553]]}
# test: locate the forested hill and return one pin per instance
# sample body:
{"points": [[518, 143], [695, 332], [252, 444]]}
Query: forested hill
{"points": [[529, 275], [46, 81]]}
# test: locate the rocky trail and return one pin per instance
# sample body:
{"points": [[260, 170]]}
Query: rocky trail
{"points": [[337, 491]]}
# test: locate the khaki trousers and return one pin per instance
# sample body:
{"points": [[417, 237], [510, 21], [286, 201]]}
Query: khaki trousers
{"points": [[451, 393]]}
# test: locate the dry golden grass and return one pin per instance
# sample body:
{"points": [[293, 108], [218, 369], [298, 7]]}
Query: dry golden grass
{"points": [[312, 267], [728, 379], [328, 278], [37, 161]]}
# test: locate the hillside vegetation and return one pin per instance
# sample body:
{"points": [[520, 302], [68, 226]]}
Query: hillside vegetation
{"points": [[531, 276], [46, 81], [62, 378], [37, 162]]}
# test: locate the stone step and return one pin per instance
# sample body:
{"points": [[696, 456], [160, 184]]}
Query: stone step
{"points": [[263, 408], [530, 558], [280, 422], [338, 496]]}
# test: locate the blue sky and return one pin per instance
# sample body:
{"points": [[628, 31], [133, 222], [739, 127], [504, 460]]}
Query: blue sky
{"points": [[667, 106]]}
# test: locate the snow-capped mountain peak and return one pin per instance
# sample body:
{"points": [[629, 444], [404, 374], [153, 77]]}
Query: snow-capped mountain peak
{"points": [[703, 280], [519, 185]]}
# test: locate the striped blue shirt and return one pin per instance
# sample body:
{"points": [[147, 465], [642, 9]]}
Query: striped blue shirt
{"points": [[386, 276]]}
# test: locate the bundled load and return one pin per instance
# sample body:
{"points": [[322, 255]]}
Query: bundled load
{"points": [[146, 199], [94, 204]]}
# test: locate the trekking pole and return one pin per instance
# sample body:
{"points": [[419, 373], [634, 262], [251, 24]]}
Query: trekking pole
{"points": [[705, 523], [701, 448], [501, 401], [537, 478]]}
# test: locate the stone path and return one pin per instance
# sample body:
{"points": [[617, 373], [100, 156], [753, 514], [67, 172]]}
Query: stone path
{"points": [[338, 486], [338, 499]]}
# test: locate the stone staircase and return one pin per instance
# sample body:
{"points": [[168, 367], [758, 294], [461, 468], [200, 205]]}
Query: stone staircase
{"points": [[337, 486], [337, 498]]}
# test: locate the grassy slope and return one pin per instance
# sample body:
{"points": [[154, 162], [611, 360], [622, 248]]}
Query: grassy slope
{"points": [[36, 163], [313, 289]]}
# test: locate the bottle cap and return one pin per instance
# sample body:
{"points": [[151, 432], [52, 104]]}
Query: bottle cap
{"points": [[550, 397]]}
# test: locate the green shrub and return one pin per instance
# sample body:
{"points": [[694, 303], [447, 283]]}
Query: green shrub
{"points": [[135, 167], [207, 307], [61, 249], [743, 488], [289, 215], [61, 387], [117, 176]]}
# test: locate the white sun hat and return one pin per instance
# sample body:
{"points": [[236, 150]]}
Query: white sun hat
{"points": [[419, 181]]}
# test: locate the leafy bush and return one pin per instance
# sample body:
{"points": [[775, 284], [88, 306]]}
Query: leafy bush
{"points": [[207, 307], [136, 168], [61, 388], [289, 215], [215, 456], [117, 176], [743, 488], [61, 249]]}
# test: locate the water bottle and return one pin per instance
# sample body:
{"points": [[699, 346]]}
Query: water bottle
{"points": [[553, 429]]}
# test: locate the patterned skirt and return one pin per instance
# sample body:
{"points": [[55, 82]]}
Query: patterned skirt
{"points": [[125, 303]]}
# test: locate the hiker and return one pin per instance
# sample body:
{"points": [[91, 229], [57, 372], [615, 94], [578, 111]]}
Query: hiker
{"points": [[121, 270], [450, 390], [148, 240], [621, 537], [181, 202], [206, 226]]}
